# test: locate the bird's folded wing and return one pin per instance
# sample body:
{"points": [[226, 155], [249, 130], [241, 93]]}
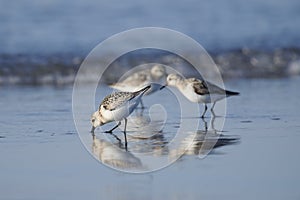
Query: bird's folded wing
{"points": [[116, 100], [137, 78], [199, 86], [202, 87], [213, 89]]}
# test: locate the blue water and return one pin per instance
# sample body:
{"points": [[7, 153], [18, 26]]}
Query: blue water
{"points": [[43, 158], [32, 26]]}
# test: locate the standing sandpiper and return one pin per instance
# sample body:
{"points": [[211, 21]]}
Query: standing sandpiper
{"points": [[156, 76], [115, 107], [198, 91]]}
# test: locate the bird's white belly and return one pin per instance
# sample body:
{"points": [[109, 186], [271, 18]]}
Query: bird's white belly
{"points": [[120, 113], [207, 98], [193, 97]]}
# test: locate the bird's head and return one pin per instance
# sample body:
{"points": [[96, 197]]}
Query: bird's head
{"points": [[96, 120], [158, 71], [173, 79]]}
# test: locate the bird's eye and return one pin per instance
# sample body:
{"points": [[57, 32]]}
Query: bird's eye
{"points": [[93, 120]]}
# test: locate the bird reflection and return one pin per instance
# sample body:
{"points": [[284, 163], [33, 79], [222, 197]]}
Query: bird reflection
{"points": [[144, 126], [114, 155], [147, 138], [146, 132], [203, 141]]}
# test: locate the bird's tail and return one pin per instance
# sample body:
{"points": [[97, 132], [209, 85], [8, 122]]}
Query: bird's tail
{"points": [[230, 93]]}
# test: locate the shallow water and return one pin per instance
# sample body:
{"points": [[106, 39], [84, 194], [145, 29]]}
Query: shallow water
{"points": [[42, 156]]}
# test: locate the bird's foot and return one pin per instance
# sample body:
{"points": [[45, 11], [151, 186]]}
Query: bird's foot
{"points": [[110, 131]]}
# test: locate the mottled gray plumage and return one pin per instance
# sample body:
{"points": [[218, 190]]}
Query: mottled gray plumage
{"points": [[201, 87], [117, 99], [114, 100], [116, 107]]}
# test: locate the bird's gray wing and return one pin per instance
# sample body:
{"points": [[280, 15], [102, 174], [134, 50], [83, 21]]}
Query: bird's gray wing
{"points": [[199, 86], [115, 100], [213, 89], [204, 87], [138, 77]]}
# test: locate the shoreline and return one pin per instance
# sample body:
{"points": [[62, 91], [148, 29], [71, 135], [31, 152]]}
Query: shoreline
{"points": [[61, 69]]}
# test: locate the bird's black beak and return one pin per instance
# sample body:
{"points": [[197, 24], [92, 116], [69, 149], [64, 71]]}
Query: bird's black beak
{"points": [[162, 87]]}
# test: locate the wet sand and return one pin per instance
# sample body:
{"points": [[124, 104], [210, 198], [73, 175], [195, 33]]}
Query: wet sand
{"points": [[43, 157]]}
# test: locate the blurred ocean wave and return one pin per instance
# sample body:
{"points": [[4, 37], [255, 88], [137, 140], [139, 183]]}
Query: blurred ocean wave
{"points": [[44, 42], [61, 69]]}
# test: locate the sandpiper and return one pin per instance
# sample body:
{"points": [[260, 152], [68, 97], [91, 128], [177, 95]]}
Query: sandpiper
{"points": [[198, 91], [156, 76], [116, 107]]}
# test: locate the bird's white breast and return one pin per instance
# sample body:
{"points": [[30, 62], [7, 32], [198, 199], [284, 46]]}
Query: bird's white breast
{"points": [[191, 95], [189, 92], [121, 112]]}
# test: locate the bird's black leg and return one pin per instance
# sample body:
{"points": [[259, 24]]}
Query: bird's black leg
{"points": [[116, 137], [111, 130], [205, 109], [205, 125], [125, 133], [212, 109]]}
